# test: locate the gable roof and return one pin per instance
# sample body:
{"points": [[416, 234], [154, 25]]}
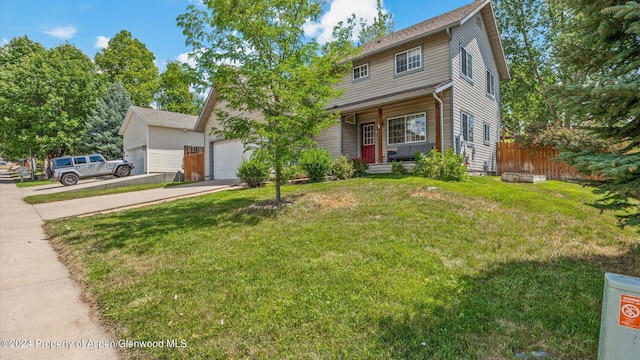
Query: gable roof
{"points": [[159, 118], [209, 105], [443, 22], [434, 25]]}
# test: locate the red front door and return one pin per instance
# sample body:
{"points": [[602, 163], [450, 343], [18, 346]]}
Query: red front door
{"points": [[368, 143]]}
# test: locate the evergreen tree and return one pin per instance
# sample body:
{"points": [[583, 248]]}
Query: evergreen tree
{"points": [[101, 135], [603, 46]]}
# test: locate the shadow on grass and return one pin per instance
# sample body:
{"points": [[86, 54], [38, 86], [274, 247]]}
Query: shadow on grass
{"points": [[146, 227], [513, 311]]}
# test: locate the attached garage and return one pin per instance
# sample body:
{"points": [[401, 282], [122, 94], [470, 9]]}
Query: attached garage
{"points": [[227, 156]]}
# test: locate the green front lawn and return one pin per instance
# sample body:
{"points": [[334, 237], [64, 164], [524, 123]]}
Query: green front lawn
{"points": [[369, 268]]}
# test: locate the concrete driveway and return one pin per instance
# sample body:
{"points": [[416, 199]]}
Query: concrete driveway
{"points": [[41, 313], [107, 203]]}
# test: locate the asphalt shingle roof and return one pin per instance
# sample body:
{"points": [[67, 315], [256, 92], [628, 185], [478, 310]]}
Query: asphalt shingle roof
{"points": [[437, 23], [165, 118]]}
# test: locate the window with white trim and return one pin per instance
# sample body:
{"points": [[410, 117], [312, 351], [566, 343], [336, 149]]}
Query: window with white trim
{"points": [[467, 127], [407, 129], [360, 72], [491, 85], [486, 134], [409, 60], [466, 63]]}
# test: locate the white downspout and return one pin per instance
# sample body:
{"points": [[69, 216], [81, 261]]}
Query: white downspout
{"points": [[435, 96]]}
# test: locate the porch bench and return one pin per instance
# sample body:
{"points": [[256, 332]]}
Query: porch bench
{"points": [[407, 152]]}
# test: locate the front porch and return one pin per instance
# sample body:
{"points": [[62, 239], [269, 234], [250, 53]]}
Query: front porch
{"points": [[386, 167], [381, 133]]}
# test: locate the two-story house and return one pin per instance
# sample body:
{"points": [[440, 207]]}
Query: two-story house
{"points": [[435, 84]]}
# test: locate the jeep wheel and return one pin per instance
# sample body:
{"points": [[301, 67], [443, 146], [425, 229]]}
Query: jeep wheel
{"points": [[123, 171], [69, 179]]}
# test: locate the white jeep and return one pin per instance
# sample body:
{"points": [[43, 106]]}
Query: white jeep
{"points": [[69, 169]]}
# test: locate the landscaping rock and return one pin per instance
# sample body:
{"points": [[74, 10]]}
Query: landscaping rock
{"points": [[522, 178]]}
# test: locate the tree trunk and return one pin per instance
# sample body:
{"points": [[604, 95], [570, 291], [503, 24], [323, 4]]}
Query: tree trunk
{"points": [[278, 166]]}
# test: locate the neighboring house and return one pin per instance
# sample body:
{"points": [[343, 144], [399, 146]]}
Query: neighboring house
{"points": [[436, 84], [155, 140]]}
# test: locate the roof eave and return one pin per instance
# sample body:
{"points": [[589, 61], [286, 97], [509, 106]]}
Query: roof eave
{"points": [[126, 121], [207, 109]]}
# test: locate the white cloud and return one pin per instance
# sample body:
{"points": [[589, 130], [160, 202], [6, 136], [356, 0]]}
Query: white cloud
{"points": [[187, 59], [341, 10], [102, 42], [4, 42], [62, 32]]}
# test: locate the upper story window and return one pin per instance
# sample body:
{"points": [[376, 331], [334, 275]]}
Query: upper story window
{"points": [[407, 129], [409, 60], [491, 85], [466, 64], [467, 127], [360, 72]]}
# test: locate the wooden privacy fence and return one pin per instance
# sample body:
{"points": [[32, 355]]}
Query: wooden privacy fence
{"points": [[514, 157], [193, 163]]}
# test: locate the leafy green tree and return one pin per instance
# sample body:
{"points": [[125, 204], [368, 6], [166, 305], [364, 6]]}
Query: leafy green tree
{"points": [[176, 94], [260, 63], [603, 45], [381, 26], [45, 98], [13, 56], [128, 61], [101, 135], [529, 31], [18, 49]]}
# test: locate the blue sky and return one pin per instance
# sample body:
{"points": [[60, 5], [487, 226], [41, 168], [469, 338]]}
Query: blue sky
{"points": [[88, 24]]}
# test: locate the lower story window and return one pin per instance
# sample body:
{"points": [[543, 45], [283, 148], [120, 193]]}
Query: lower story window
{"points": [[487, 134], [407, 129], [467, 127]]}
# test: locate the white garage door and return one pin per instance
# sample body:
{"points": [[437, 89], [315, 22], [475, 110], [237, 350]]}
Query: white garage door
{"points": [[227, 156]]}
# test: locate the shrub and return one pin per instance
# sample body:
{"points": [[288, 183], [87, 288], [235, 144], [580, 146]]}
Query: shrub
{"points": [[449, 167], [397, 168], [360, 167], [291, 172], [427, 165], [342, 168], [253, 172], [316, 162], [453, 167]]}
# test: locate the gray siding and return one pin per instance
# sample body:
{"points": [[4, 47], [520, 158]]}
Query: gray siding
{"points": [[350, 140], [329, 139], [471, 97], [382, 79]]}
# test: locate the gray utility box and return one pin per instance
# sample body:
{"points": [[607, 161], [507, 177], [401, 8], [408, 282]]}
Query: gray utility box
{"points": [[620, 324]]}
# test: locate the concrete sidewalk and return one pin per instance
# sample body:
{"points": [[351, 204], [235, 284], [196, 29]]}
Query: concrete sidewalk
{"points": [[105, 203], [41, 314]]}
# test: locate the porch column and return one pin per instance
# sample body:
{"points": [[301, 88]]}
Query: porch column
{"points": [[438, 126], [380, 136]]}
